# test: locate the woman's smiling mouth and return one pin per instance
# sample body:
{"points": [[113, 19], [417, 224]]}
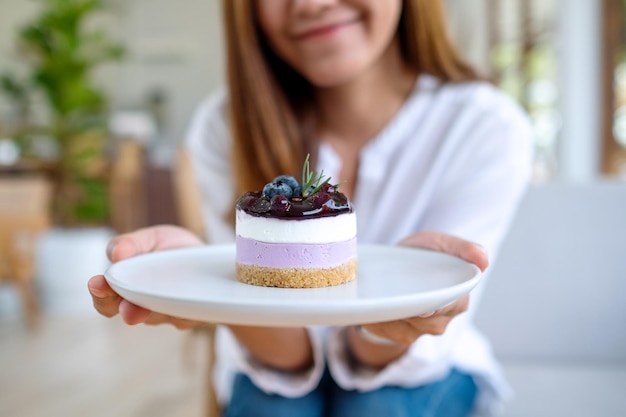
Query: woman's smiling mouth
{"points": [[324, 30]]}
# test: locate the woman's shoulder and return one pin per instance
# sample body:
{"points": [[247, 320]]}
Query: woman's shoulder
{"points": [[213, 106], [209, 122], [479, 112], [478, 97]]}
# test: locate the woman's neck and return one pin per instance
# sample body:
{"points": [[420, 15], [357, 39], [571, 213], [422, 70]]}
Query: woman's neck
{"points": [[352, 114]]}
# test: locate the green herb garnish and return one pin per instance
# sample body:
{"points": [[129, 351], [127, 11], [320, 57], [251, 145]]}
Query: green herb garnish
{"points": [[312, 181]]}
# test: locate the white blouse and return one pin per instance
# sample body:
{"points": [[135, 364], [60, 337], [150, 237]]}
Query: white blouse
{"points": [[456, 158]]}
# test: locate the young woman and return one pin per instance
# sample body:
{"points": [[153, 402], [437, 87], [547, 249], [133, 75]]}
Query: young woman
{"points": [[375, 91]]}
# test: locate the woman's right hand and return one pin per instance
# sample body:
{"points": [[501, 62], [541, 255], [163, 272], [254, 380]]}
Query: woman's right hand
{"points": [[151, 239]]}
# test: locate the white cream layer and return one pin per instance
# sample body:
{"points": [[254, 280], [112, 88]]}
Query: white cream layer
{"points": [[318, 230]]}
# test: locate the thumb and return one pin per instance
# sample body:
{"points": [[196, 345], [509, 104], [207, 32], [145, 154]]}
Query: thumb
{"points": [[468, 251], [150, 239]]}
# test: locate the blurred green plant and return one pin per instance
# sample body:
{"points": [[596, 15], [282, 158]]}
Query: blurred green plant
{"points": [[61, 51]]}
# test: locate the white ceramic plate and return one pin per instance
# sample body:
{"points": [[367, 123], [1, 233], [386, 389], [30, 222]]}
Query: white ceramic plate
{"points": [[200, 284]]}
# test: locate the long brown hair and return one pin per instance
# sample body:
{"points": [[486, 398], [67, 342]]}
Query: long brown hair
{"points": [[269, 120]]}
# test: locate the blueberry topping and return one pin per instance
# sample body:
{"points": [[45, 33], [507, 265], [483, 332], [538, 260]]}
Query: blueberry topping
{"points": [[286, 179], [340, 199], [285, 198], [328, 188], [247, 200], [317, 200], [272, 189], [261, 205], [279, 205], [320, 204]]}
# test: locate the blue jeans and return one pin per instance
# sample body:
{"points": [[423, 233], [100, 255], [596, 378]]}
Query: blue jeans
{"points": [[452, 396]]}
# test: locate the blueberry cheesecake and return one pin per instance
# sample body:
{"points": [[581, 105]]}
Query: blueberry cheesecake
{"points": [[296, 235]]}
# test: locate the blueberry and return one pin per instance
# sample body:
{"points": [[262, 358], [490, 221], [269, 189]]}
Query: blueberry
{"points": [[261, 205], [328, 188], [297, 192], [272, 189], [279, 205], [317, 200], [246, 200], [286, 179], [340, 199]]}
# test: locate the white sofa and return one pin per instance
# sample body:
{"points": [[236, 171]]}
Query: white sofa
{"points": [[555, 304]]}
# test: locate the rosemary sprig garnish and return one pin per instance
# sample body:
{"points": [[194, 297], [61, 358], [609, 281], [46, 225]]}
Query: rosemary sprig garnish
{"points": [[311, 181]]}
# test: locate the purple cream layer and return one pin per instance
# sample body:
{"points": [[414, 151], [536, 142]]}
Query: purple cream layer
{"points": [[293, 255]]}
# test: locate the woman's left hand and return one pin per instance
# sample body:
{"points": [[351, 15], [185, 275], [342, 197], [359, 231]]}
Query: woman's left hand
{"points": [[406, 331]]}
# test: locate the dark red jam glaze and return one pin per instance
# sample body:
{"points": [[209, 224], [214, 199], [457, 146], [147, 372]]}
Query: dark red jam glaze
{"points": [[321, 204]]}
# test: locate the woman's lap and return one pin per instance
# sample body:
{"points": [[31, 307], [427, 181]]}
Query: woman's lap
{"points": [[249, 401], [452, 396]]}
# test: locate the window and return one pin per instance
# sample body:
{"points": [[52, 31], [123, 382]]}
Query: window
{"points": [[514, 42], [614, 88]]}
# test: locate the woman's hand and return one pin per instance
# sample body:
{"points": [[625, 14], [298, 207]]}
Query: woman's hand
{"points": [[406, 331], [281, 348], [142, 241]]}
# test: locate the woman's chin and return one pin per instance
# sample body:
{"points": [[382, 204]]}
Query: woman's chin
{"points": [[332, 78]]}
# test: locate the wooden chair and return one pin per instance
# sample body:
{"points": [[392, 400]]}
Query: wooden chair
{"points": [[127, 187], [187, 196], [24, 213], [188, 207]]}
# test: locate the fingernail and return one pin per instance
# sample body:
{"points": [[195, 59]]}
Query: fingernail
{"points": [[427, 315], [97, 292], [110, 247], [95, 288]]}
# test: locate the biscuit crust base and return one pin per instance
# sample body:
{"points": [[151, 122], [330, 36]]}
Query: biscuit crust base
{"points": [[296, 277]]}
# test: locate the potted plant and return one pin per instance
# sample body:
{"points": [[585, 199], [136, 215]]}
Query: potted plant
{"points": [[61, 51]]}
